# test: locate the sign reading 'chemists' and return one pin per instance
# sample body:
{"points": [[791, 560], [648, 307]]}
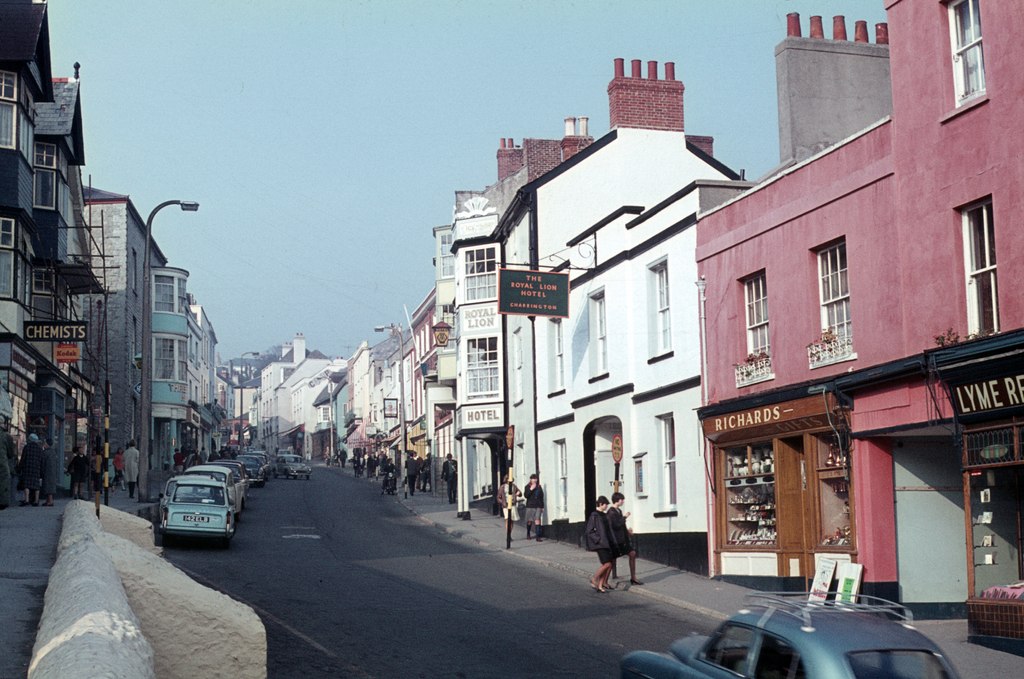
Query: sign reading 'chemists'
{"points": [[533, 293]]}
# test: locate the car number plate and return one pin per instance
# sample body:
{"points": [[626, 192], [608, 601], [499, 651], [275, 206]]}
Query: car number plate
{"points": [[195, 518]]}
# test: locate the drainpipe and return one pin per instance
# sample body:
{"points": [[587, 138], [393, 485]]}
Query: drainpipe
{"points": [[708, 450]]}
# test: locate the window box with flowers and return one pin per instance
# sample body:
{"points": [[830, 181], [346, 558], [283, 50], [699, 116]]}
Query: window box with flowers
{"points": [[756, 367], [830, 348]]}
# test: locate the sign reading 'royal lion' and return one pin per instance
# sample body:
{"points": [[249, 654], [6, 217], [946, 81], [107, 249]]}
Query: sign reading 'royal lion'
{"points": [[533, 293]]}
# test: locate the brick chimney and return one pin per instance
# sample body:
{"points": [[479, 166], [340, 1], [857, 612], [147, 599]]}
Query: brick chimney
{"points": [[645, 103], [576, 137], [541, 156], [510, 159]]}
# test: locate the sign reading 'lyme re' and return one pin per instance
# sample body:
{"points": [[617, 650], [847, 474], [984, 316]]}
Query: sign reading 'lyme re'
{"points": [[55, 331], [533, 293]]}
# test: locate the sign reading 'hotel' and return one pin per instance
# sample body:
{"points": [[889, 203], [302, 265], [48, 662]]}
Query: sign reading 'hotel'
{"points": [[533, 293]]}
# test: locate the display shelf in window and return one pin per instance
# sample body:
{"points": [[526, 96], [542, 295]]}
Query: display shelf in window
{"points": [[750, 496], [834, 494]]}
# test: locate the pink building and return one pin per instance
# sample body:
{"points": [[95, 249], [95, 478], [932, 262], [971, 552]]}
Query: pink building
{"points": [[860, 292]]}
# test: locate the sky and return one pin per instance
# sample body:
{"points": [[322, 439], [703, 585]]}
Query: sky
{"points": [[325, 139]]}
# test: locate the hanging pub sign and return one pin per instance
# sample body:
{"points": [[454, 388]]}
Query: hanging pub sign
{"points": [[391, 407], [55, 331], [533, 293]]}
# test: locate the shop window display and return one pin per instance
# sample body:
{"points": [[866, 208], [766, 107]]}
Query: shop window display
{"points": [[833, 494], [750, 492]]}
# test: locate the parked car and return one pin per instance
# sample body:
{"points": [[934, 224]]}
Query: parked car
{"points": [[239, 469], [254, 466], [786, 636], [227, 476], [291, 466], [264, 459], [197, 507]]}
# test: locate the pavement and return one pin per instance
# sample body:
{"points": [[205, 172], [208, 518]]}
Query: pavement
{"points": [[28, 543]]}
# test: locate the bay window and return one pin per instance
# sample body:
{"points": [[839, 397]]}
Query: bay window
{"points": [[481, 274], [482, 368]]}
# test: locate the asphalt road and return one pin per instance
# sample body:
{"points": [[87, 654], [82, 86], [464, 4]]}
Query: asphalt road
{"points": [[350, 584]]}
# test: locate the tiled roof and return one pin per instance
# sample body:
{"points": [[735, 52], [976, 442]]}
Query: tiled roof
{"points": [[58, 117], [20, 26]]}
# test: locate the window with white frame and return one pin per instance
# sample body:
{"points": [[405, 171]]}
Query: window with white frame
{"points": [[835, 291], [182, 296], [323, 415], [7, 257], [667, 443], [481, 274], [755, 291], [557, 355], [598, 334], [42, 294], [482, 369], [164, 363], [563, 477], [517, 366], [163, 293], [182, 360], [8, 108], [968, 59], [638, 474], [45, 176], [447, 258], [980, 264], [661, 323]]}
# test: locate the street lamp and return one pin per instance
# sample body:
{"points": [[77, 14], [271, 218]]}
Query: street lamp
{"points": [[146, 397], [396, 331], [238, 391]]}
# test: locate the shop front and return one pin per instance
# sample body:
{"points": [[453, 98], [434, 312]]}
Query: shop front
{"points": [[783, 490], [986, 387]]}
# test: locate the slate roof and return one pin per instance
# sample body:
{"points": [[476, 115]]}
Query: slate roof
{"points": [[58, 117], [91, 193], [21, 24]]}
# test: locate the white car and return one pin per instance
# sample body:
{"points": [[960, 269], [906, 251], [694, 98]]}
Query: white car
{"points": [[227, 476], [195, 506]]}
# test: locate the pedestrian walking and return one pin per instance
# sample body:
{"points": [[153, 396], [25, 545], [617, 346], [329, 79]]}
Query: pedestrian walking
{"points": [[49, 474], [598, 540], [204, 456], [412, 472], [621, 535], [534, 495], [78, 470], [449, 472], [31, 470], [179, 461], [119, 468], [508, 498], [131, 467], [8, 463], [426, 469]]}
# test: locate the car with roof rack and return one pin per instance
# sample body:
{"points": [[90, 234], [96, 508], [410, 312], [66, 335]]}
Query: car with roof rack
{"points": [[786, 636]]}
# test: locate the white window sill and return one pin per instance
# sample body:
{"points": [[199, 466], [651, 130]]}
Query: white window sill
{"points": [[833, 361]]}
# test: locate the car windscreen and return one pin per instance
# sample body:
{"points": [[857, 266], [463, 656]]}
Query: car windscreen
{"points": [[218, 476], [206, 495], [896, 664]]}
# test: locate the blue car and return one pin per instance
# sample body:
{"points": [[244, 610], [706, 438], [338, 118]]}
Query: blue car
{"points": [[196, 507], [787, 637]]}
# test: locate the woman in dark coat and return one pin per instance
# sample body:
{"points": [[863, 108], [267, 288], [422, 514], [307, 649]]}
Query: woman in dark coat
{"points": [[78, 468], [598, 538], [31, 470], [621, 534]]}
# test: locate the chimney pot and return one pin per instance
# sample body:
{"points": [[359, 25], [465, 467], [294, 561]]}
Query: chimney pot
{"points": [[502, 144], [511, 144], [652, 70], [882, 33], [860, 31], [793, 25], [620, 68], [816, 29], [634, 66], [839, 27], [570, 126], [670, 70], [584, 124]]}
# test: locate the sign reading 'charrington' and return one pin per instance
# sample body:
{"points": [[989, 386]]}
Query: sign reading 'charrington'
{"points": [[56, 331], [533, 293]]}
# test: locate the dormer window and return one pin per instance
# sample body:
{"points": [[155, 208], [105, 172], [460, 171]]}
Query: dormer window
{"points": [[45, 163]]}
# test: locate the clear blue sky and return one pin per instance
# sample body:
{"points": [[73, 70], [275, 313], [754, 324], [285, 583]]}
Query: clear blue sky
{"points": [[325, 139]]}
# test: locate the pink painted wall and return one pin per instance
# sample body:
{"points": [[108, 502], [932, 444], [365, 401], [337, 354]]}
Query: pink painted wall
{"points": [[876, 519]]}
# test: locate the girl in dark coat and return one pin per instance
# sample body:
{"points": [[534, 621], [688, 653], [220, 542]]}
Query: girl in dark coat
{"points": [[78, 468], [598, 540], [621, 535]]}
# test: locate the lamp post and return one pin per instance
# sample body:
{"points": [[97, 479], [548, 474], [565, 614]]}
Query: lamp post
{"points": [[236, 386], [396, 331], [145, 398]]}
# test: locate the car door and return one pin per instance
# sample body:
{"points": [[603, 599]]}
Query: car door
{"points": [[728, 653]]}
